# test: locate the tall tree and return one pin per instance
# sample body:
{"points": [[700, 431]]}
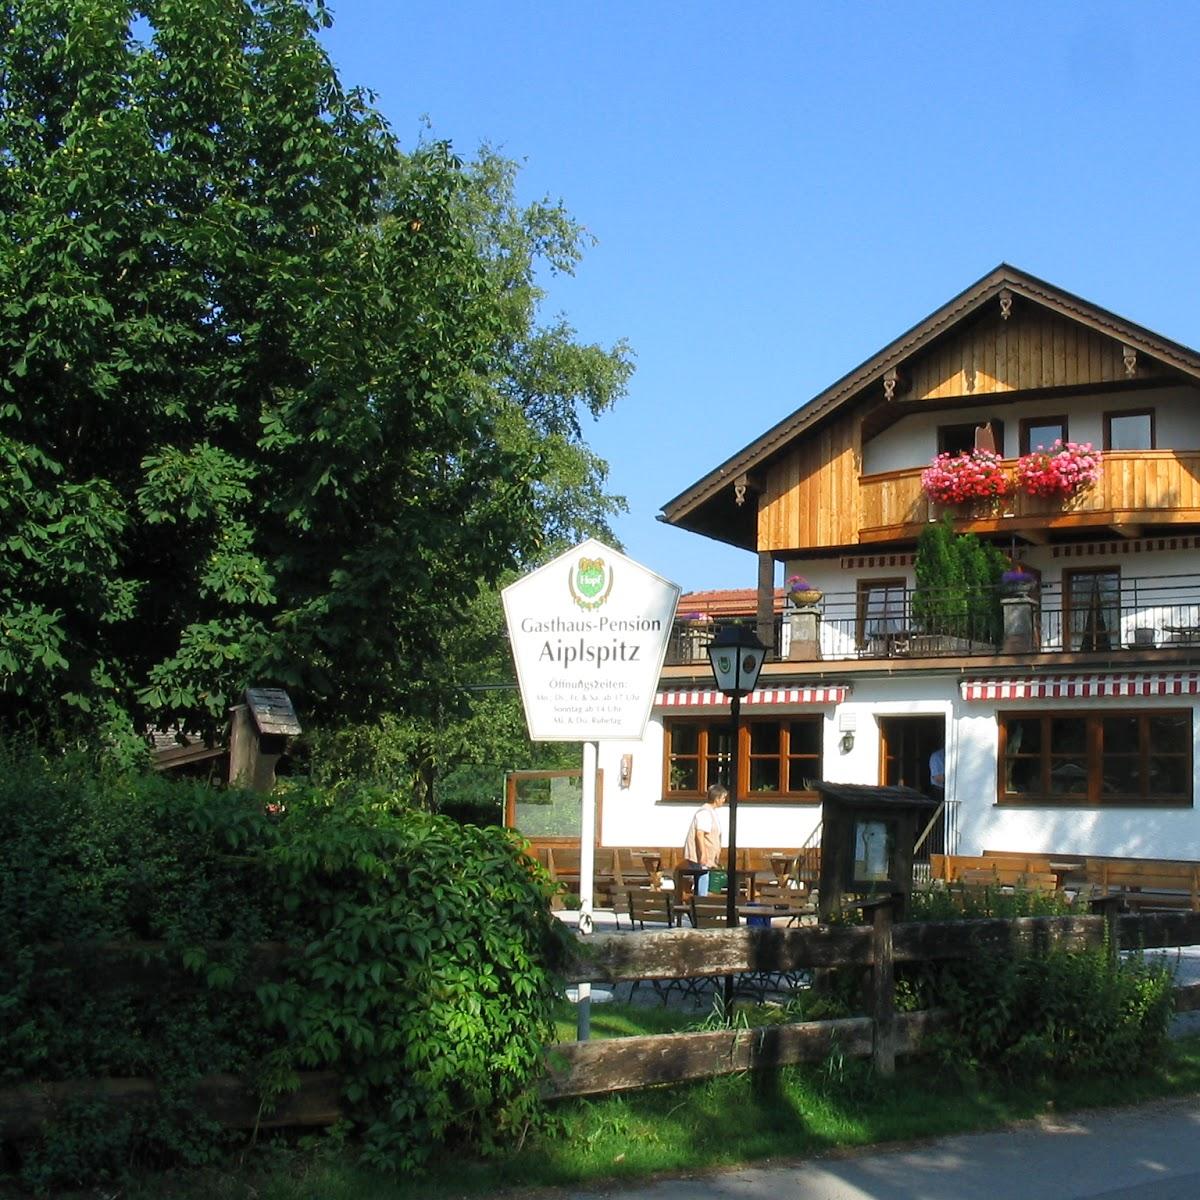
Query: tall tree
{"points": [[276, 398]]}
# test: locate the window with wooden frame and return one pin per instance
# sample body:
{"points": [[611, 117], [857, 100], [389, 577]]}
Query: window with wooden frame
{"points": [[1041, 432], [1092, 608], [1117, 757], [881, 610], [1132, 429], [778, 757], [961, 439]]}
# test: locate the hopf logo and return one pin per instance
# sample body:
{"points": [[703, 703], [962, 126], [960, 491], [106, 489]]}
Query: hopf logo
{"points": [[590, 582]]}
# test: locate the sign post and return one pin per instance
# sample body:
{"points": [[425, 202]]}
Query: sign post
{"points": [[589, 633]]}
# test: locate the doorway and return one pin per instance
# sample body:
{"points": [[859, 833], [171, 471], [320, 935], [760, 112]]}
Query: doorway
{"points": [[905, 744]]}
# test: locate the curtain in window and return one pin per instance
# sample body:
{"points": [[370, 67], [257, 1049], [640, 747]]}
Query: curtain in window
{"points": [[1094, 604]]}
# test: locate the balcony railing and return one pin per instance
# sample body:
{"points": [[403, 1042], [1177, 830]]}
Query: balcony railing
{"points": [[1159, 612], [1149, 485]]}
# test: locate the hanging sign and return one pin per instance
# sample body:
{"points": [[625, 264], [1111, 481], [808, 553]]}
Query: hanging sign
{"points": [[589, 633]]}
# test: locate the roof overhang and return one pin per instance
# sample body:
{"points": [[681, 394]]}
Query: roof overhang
{"points": [[710, 507]]}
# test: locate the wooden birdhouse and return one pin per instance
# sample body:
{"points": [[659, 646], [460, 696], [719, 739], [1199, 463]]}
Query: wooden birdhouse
{"points": [[259, 731]]}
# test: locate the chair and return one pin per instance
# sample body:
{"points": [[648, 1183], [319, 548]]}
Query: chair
{"points": [[646, 905]]}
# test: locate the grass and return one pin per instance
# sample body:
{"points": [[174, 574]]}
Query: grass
{"points": [[795, 1113], [623, 1020]]}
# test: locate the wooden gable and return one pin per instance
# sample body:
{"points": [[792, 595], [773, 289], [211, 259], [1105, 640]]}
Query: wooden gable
{"points": [[810, 495], [1007, 333], [1030, 349]]}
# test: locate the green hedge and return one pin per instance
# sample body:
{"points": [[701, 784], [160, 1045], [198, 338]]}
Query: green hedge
{"points": [[424, 970]]}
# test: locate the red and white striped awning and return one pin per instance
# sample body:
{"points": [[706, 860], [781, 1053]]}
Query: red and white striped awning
{"points": [[710, 697], [1083, 687]]}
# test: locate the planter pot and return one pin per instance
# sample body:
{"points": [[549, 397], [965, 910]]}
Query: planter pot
{"points": [[1020, 589], [806, 598]]}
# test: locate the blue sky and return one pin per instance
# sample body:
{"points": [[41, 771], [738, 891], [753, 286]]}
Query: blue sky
{"points": [[778, 190]]}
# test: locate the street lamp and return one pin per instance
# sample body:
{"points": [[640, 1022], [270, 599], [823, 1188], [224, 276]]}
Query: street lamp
{"points": [[737, 657]]}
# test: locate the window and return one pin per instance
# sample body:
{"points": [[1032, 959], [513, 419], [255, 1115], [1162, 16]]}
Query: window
{"points": [[1142, 757], [1092, 609], [1129, 430], [1042, 432], [778, 757], [881, 611], [960, 439]]}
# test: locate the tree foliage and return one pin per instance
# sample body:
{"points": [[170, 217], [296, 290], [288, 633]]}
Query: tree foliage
{"points": [[958, 584], [276, 397]]}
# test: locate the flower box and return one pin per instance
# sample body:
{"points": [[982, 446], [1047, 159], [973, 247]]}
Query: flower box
{"points": [[1063, 470], [958, 478]]}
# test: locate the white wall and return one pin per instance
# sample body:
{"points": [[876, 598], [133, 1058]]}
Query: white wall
{"points": [[636, 815], [912, 441], [983, 825]]}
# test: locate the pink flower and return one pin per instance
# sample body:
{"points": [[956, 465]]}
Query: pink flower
{"points": [[1063, 470], [954, 478]]}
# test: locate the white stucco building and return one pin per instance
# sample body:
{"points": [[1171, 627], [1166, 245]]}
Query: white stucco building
{"points": [[1070, 725]]}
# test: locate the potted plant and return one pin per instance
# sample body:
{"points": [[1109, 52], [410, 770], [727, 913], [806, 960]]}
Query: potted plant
{"points": [[958, 478], [1017, 581], [801, 593], [1063, 470]]}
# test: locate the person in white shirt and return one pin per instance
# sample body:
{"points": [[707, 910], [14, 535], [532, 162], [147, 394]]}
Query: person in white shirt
{"points": [[702, 846]]}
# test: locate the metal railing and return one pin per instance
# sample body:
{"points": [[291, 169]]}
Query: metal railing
{"points": [[1140, 613]]}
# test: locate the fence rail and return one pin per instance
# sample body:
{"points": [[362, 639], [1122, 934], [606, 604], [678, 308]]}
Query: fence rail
{"points": [[582, 1068]]}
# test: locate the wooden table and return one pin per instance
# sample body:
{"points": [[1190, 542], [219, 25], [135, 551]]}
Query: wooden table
{"points": [[694, 872], [652, 862], [781, 864]]}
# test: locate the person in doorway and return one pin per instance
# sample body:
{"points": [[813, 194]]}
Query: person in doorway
{"points": [[702, 846], [937, 773]]}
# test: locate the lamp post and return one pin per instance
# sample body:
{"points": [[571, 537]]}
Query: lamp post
{"points": [[737, 657]]}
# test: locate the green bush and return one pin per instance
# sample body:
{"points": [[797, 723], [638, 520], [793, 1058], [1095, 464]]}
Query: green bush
{"points": [[958, 584], [1058, 1013], [943, 904], [423, 971]]}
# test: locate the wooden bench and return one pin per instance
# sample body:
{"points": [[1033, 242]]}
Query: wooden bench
{"points": [[1142, 883], [950, 867], [649, 906], [1151, 884], [781, 900], [1002, 876], [563, 864]]}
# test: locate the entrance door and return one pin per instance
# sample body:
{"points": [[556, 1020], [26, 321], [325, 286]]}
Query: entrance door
{"points": [[905, 745]]}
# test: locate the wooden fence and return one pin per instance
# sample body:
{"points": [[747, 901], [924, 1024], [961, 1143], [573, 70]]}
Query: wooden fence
{"points": [[583, 1068]]}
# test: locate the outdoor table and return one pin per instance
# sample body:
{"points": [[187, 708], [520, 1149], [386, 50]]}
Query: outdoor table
{"points": [[694, 872], [758, 914], [653, 865], [781, 864]]}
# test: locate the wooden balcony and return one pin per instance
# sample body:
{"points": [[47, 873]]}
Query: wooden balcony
{"points": [[1136, 488]]}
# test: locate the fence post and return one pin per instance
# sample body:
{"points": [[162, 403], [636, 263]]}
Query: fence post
{"points": [[883, 989]]}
